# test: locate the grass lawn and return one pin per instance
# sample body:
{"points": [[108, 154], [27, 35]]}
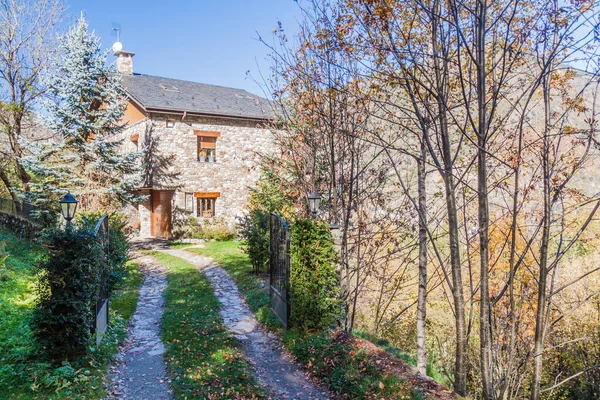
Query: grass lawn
{"points": [[23, 374], [344, 370], [204, 360]]}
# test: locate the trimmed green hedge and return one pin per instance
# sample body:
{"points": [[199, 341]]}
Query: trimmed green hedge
{"points": [[68, 287], [70, 283], [254, 228], [314, 279]]}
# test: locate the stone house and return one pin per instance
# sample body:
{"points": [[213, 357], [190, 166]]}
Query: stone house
{"points": [[212, 137]]}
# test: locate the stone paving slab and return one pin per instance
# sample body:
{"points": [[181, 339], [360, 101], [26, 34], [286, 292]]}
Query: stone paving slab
{"points": [[139, 372], [274, 367]]}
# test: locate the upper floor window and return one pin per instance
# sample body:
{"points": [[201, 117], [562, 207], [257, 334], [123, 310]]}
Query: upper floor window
{"points": [[207, 145]]}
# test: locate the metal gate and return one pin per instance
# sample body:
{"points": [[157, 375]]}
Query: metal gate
{"points": [[101, 310], [279, 263]]}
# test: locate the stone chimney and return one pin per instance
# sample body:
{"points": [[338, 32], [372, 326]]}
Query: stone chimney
{"points": [[125, 62]]}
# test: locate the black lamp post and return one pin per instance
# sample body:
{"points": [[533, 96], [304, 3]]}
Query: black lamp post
{"points": [[313, 202], [68, 206]]}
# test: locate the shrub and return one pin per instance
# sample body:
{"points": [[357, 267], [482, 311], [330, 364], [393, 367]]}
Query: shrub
{"points": [[207, 229], [118, 250], [314, 280], [69, 285], [216, 229], [181, 223], [254, 229]]}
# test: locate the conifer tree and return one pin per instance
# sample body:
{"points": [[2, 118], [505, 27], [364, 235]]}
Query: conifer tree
{"points": [[84, 113]]}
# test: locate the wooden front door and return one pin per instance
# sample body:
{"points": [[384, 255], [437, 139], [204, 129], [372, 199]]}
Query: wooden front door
{"points": [[161, 213]]}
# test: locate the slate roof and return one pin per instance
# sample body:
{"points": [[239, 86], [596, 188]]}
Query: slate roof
{"points": [[154, 92]]}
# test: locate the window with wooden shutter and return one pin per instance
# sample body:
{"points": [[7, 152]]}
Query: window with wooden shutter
{"points": [[207, 145]]}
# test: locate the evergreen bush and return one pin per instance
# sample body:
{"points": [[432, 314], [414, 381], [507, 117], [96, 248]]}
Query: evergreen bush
{"points": [[314, 279], [118, 248], [254, 229], [69, 286]]}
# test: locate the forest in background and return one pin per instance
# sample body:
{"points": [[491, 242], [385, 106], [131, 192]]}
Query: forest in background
{"points": [[455, 145]]}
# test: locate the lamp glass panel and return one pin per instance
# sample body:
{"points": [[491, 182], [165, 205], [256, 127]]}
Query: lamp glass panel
{"points": [[65, 210], [313, 204], [72, 208]]}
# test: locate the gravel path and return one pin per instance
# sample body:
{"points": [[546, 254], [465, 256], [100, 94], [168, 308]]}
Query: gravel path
{"points": [[274, 367], [139, 372]]}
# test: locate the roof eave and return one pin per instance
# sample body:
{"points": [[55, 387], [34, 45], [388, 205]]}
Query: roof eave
{"points": [[163, 110], [136, 102]]}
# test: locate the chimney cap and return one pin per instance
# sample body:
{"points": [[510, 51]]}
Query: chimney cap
{"points": [[124, 53]]}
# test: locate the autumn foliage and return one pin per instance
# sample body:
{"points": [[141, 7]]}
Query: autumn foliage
{"points": [[455, 145]]}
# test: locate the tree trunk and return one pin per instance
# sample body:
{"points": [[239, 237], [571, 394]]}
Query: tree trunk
{"points": [[483, 212], [422, 294], [6, 181], [441, 72], [460, 367], [540, 318]]}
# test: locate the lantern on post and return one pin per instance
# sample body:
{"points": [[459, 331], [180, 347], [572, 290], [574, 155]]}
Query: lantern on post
{"points": [[314, 199], [68, 205]]}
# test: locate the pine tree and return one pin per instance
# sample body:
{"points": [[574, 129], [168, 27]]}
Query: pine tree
{"points": [[85, 110]]}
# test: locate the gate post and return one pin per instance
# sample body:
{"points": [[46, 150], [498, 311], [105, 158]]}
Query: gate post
{"points": [[101, 232]]}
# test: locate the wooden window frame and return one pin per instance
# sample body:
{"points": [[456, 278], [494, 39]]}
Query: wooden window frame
{"points": [[206, 207], [206, 147], [206, 204]]}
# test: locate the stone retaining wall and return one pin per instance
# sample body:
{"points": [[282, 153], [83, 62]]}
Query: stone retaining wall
{"points": [[21, 227]]}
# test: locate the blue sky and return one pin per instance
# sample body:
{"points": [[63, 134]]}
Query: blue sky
{"points": [[208, 41]]}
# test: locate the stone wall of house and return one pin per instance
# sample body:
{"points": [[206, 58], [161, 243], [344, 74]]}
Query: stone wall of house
{"points": [[235, 169]]}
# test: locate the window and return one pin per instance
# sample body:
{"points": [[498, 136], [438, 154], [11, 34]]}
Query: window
{"points": [[170, 124], [169, 88], [206, 203], [189, 202], [206, 207], [207, 145]]}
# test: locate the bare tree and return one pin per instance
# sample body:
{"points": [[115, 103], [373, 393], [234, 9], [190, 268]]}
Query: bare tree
{"points": [[478, 92], [27, 43]]}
